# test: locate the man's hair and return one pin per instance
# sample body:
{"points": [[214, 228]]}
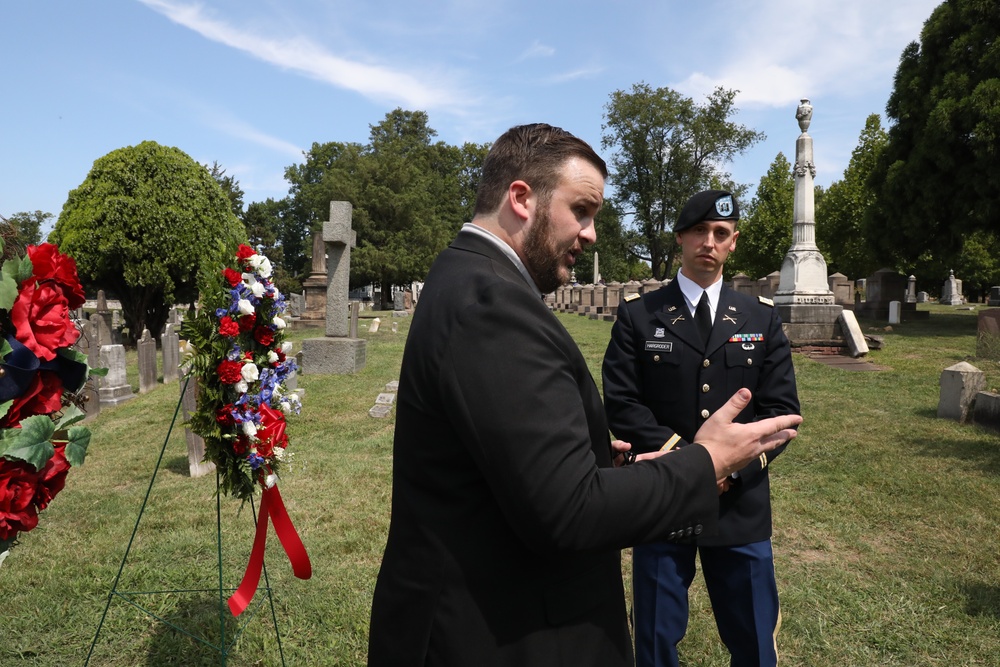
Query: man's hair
{"points": [[534, 154]]}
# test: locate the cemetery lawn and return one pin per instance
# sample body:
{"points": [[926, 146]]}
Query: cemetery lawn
{"points": [[886, 524]]}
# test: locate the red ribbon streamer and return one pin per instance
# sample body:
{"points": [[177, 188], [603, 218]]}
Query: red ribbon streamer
{"points": [[273, 507]]}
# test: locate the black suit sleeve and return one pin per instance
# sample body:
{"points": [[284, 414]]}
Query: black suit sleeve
{"points": [[521, 393], [630, 417]]}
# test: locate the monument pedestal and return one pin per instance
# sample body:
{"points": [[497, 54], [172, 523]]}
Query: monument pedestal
{"points": [[810, 323], [333, 355]]}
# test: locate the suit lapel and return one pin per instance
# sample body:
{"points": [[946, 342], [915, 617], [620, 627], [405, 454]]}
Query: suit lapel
{"points": [[729, 319], [676, 318]]}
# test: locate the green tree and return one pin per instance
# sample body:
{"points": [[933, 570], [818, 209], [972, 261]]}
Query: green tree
{"points": [[410, 195], [230, 186], [143, 225], [272, 230], [666, 148], [939, 175], [840, 219], [615, 260], [766, 224], [28, 227]]}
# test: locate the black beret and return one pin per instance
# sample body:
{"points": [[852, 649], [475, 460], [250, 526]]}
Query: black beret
{"points": [[708, 205]]}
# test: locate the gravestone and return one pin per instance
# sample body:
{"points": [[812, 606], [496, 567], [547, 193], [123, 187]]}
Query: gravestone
{"points": [[170, 345], [959, 385], [355, 310], [743, 284], [894, 308], [842, 288], [314, 288], [195, 443], [102, 311], [146, 347], [399, 304], [987, 410], [87, 344], [336, 352], [951, 291], [849, 327], [923, 297], [373, 327], [296, 304], [911, 289], [113, 388], [988, 334], [994, 298]]}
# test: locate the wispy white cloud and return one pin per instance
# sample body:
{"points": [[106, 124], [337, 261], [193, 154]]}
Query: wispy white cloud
{"points": [[582, 73], [306, 57], [789, 49], [536, 50]]}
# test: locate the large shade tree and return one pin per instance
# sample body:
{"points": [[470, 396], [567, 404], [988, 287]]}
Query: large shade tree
{"points": [[410, 195], [144, 223], [938, 179], [766, 224], [665, 148], [840, 220]]}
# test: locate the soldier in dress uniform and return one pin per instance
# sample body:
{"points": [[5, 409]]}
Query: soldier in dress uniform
{"points": [[675, 357]]}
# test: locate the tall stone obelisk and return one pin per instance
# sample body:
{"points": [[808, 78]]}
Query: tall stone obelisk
{"points": [[804, 299]]}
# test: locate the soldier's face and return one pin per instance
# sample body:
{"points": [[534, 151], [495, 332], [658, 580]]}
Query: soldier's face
{"points": [[706, 246]]}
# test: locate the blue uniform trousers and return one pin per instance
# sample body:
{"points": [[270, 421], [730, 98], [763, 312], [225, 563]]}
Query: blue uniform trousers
{"points": [[741, 586]]}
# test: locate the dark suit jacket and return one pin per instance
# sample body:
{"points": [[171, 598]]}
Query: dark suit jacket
{"points": [[661, 383], [507, 518]]}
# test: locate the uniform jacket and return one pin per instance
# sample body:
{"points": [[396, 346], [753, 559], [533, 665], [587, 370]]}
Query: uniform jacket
{"points": [[661, 383], [507, 517]]}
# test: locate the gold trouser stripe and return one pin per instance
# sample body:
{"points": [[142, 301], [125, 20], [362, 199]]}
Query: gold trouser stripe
{"points": [[669, 444], [776, 629]]}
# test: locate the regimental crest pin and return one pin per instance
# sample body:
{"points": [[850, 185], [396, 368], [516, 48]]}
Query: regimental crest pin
{"points": [[724, 206], [659, 333]]}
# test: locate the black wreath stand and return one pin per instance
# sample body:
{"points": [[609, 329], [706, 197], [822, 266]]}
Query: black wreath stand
{"points": [[225, 644]]}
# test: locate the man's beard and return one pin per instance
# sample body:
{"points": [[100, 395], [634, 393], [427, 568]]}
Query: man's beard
{"points": [[543, 259]]}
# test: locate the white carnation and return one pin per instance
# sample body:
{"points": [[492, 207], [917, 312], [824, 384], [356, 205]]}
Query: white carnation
{"points": [[272, 357], [249, 429], [278, 322], [250, 372], [246, 308]]}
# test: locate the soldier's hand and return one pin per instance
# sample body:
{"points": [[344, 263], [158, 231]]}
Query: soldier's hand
{"points": [[731, 445]]}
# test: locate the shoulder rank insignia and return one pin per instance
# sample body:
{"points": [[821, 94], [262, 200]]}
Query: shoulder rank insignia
{"points": [[767, 302], [632, 297]]}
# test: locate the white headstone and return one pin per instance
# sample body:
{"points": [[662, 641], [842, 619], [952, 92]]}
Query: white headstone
{"points": [[894, 308], [959, 385]]}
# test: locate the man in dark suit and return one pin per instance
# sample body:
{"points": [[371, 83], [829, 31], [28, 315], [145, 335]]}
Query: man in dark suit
{"points": [[507, 513], [675, 356]]}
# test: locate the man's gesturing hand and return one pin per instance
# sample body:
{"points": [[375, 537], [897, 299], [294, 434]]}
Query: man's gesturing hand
{"points": [[733, 446]]}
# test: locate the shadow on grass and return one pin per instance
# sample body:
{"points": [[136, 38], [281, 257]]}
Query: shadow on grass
{"points": [[983, 454], [981, 599], [938, 325], [178, 465], [199, 617]]}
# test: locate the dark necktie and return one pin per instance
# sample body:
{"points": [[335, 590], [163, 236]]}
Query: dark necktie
{"points": [[703, 316]]}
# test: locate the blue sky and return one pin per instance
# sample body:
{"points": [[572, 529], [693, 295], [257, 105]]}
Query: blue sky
{"points": [[253, 83]]}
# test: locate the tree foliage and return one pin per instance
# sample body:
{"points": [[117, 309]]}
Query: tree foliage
{"points": [[229, 185], [410, 195], [840, 220], [614, 260], [665, 149], [142, 225], [766, 224], [28, 227], [939, 176]]}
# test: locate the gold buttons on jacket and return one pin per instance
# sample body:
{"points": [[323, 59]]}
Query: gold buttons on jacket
{"points": [[656, 357], [705, 388], [705, 414], [706, 363], [749, 362]]}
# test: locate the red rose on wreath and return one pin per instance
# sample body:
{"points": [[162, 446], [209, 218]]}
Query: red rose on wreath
{"points": [[17, 490], [233, 277], [52, 477], [229, 372], [42, 397], [41, 319], [224, 416], [49, 263], [245, 252], [263, 335], [228, 327]]}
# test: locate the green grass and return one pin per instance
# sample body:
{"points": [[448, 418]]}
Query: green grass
{"points": [[886, 524]]}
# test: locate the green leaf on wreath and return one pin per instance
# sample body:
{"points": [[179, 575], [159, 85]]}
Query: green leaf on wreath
{"points": [[25, 269], [5, 348], [77, 441], [70, 415], [5, 407], [30, 443], [100, 372], [8, 287]]}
